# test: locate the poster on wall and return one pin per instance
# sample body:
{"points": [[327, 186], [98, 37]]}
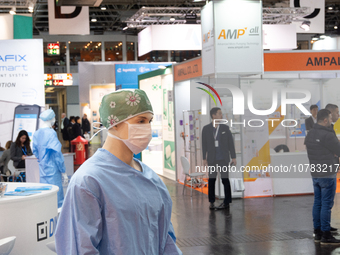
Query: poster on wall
{"points": [[168, 123], [256, 156], [152, 156], [21, 79]]}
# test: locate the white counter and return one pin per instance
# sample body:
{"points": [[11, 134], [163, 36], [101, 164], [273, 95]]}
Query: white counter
{"points": [[291, 184], [32, 219], [32, 167]]}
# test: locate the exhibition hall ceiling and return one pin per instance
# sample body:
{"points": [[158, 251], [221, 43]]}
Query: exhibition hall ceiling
{"points": [[114, 15]]}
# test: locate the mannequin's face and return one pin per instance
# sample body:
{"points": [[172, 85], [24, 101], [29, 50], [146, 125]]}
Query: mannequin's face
{"points": [[121, 130]]}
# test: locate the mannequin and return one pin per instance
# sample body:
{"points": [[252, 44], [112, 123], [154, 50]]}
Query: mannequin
{"points": [[47, 149]]}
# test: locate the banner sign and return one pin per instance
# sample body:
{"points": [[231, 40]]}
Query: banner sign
{"points": [[232, 37], [68, 20], [301, 61], [188, 70], [238, 36], [127, 74], [53, 49]]}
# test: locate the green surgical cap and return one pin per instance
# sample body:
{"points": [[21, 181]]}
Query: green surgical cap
{"points": [[122, 105]]}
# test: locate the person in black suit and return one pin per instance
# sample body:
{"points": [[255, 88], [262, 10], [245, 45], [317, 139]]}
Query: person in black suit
{"points": [[64, 124], [218, 147], [76, 128], [312, 119]]}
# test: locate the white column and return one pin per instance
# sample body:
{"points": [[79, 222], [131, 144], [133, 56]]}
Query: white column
{"points": [[68, 69], [103, 50]]}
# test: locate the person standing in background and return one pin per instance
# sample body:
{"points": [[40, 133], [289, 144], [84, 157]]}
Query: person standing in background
{"points": [[323, 148], [85, 125], [63, 127], [312, 119], [76, 127], [334, 109], [218, 147]]}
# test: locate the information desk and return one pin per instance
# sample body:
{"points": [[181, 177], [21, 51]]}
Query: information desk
{"points": [[32, 219], [32, 167]]}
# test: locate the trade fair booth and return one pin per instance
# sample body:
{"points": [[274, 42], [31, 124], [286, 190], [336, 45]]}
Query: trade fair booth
{"points": [[262, 145], [160, 155]]}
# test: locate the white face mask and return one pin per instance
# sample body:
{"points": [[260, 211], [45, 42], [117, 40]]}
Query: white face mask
{"points": [[139, 137]]}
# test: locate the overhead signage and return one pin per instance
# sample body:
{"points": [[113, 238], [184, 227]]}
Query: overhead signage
{"points": [[62, 82], [232, 37], [62, 76], [188, 70], [301, 61], [169, 37], [48, 82], [238, 36], [127, 74], [47, 76], [53, 49], [68, 20]]}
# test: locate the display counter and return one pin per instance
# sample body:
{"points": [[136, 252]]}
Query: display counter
{"points": [[291, 183], [32, 167], [32, 219]]}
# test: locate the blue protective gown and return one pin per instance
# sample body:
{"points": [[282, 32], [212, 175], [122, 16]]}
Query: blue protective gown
{"points": [[111, 208], [47, 149]]}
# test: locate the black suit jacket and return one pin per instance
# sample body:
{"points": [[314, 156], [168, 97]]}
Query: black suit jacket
{"points": [[309, 123], [226, 143]]}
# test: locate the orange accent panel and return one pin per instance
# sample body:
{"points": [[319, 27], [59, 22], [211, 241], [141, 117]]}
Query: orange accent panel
{"points": [[188, 70], [301, 61]]}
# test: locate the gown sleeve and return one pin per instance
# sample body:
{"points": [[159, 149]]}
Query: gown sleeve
{"points": [[55, 145], [170, 245], [79, 229]]}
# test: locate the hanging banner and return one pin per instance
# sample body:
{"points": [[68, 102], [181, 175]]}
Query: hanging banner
{"points": [[316, 17], [68, 20], [238, 36], [232, 37]]}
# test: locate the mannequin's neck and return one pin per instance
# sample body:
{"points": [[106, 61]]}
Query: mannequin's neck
{"points": [[119, 149], [46, 124]]}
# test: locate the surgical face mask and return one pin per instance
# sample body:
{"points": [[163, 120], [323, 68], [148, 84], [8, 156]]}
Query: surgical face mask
{"points": [[139, 137]]}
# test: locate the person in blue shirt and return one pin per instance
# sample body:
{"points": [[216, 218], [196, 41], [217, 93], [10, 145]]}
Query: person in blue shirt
{"points": [[116, 204], [47, 149]]}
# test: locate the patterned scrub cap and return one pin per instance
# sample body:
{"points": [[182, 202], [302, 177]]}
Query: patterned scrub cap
{"points": [[122, 105]]}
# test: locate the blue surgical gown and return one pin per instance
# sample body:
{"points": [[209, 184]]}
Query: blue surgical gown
{"points": [[47, 149], [111, 208]]}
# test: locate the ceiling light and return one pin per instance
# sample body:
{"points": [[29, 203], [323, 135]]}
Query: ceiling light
{"points": [[305, 25], [335, 27], [13, 11], [315, 38], [172, 19], [93, 20], [125, 28], [330, 8], [323, 36], [30, 7], [103, 7]]}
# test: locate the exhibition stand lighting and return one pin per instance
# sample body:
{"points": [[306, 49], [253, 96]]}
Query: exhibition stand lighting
{"points": [[13, 11], [305, 25]]}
